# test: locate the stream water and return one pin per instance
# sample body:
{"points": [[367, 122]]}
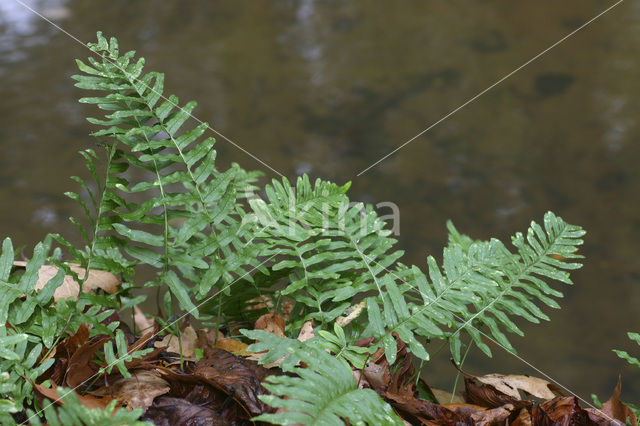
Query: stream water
{"points": [[330, 87]]}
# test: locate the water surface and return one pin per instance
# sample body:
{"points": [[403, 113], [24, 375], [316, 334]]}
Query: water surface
{"points": [[329, 87]]}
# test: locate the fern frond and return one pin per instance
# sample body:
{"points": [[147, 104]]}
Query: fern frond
{"points": [[189, 226], [625, 355], [324, 393], [72, 412]]}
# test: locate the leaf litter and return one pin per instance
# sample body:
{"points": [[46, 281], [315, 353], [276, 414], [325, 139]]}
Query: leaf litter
{"points": [[224, 384]]}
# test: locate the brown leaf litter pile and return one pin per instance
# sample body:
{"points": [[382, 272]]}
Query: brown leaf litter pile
{"points": [[205, 377]]}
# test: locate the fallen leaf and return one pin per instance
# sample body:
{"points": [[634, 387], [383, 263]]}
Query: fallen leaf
{"points": [[86, 400], [444, 397], [271, 323], [416, 410], [140, 319], [80, 366], [509, 385], [523, 419], [562, 410], [488, 396], [616, 408], [167, 411], [351, 313], [230, 372], [306, 332], [138, 391], [234, 346], [70, 287], [493, 416], [184, 345]]}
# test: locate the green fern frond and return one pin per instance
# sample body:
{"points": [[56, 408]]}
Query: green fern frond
{"points": [[625, 355], [189, 225], [324, 393], [72, 412]]}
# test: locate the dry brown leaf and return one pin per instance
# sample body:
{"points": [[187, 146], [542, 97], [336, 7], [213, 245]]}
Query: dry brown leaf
{"points": [[142, 322], [86, 400], [444, 397], [138, 391], [185, 345], [351, 313], [616, 408], [306, 332], [234, 346], [271, 323], [70, 287], [509, 385]]}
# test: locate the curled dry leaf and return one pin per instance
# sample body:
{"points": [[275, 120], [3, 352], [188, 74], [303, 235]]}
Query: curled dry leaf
{"points": [[184, 345], [138, 391], [167, 411], [444, 397], [494, 416], [70, 287], [351, 313]]}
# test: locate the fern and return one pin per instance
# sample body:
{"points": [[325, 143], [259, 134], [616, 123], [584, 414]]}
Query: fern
{"points": [[72, 412], [337, 252], [625, 355], [323, 393], [189, 226]]}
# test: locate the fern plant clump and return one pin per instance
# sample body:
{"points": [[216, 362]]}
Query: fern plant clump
{"points": [[214, 246]]}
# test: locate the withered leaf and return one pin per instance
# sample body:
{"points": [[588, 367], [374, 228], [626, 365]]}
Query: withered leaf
{"points": [[80, 367], [168, 411], [138, 391], [230, 372], [140, 319], [271, 323], [509, 385], [86, 400], [70, 287], [494, 416], [562, 410], [616, 408], [424, 411], [488, 396], [185, 345]]}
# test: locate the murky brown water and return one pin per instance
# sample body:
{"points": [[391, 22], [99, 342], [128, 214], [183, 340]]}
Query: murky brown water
{"points": [[330, 87]]}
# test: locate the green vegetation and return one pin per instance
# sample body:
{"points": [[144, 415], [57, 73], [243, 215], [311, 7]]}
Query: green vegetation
{"points": [[157, 199]]}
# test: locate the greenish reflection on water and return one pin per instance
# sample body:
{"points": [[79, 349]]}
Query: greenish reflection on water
{"points": [[328, 87]]}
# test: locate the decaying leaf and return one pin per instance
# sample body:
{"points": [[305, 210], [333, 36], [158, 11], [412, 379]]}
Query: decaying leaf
{"points": [[488, 396], [86, 400], [70, 287], [185, 345], [563, 410], [168, 411], [230, 372], [138, 391], [234, 346]]}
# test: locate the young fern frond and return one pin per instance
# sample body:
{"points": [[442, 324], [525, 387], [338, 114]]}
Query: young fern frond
{"points": [[324, 393], [189, 226]]}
